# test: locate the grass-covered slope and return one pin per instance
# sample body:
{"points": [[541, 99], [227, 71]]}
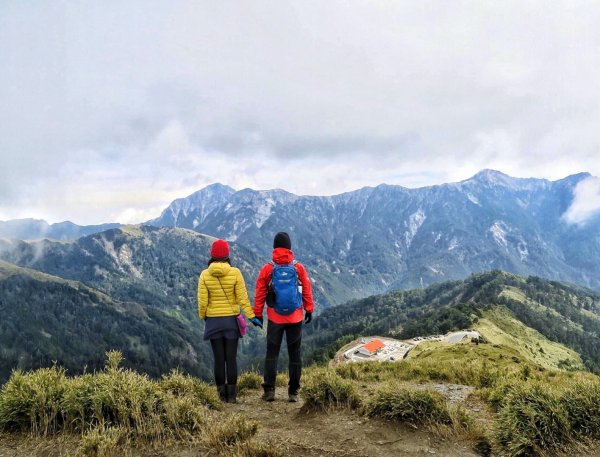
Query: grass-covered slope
{"points": [[510, 342], [500, 327], [514, 310], [471, 399], [47, 319]]}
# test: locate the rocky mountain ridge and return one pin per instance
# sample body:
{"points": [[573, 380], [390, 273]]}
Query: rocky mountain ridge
{"points": [[379, 238]]}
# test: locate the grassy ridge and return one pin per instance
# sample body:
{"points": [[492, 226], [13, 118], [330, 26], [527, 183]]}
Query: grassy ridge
{"points": [[533, 410], [117, 407], [499, 326], [562, 313]]}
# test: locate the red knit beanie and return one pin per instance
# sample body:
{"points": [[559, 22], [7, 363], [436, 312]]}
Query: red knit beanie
{"points": [[219, 250]]}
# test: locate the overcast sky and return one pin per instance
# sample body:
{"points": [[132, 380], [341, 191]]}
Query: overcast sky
{"points": [[111, 109]]}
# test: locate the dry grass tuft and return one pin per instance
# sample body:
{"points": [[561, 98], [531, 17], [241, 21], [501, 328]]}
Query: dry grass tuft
{"points": [[251, 380], [397, 403], [323, 388]]}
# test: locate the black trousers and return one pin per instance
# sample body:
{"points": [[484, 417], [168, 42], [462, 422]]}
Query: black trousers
{"points": [[293, 337], [225, 353]]}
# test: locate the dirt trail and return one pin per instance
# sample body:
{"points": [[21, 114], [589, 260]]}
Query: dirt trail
{"points": [[339, 433]]}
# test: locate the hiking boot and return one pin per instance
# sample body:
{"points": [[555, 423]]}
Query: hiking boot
{"points": [[222, 393], [231, 393], [269, 394], [292, 398]]}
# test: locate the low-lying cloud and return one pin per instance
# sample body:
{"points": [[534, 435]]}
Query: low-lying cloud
{"points": [[586, 201]]}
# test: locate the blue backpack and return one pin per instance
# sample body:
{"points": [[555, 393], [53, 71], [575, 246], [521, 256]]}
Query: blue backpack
{"points": [[284, 280]]}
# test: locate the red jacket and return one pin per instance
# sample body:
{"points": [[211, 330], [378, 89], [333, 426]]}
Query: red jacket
{"points": [[282, 256]]}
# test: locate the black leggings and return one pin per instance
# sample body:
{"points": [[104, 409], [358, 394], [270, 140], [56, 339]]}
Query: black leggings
{"points": [[225, 353], [293, 337]]}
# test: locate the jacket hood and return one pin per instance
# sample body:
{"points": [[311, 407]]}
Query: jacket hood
{"points": [[219, 269], [282, 256]]}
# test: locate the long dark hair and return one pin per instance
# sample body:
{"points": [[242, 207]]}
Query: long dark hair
{"points": [[212, 259]]}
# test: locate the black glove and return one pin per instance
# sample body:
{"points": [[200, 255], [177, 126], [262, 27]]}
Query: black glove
{"points": [[307, 318], [260, 318], [257, 321]]}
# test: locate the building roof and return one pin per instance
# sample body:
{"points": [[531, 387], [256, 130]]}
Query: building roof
{"points": [[373, 346]]}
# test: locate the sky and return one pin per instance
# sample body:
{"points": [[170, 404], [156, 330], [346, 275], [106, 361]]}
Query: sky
{"points": [[109, 110]]}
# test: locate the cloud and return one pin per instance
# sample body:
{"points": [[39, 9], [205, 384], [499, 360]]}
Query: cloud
{"points": [[136, 215], [108, 107], [586, 201]]}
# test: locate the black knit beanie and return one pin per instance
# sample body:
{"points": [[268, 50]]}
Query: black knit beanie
{"points": [[282, 240]]}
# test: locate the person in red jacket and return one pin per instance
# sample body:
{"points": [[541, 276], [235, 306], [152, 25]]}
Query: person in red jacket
{"points": [[290, 324]]}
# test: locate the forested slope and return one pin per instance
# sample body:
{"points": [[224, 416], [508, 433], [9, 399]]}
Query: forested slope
{"points": [[563, 313]]}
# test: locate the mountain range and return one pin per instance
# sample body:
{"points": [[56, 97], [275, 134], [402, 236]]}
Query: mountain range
{"points": [[386, 237], [381, 238], [34, 229]]}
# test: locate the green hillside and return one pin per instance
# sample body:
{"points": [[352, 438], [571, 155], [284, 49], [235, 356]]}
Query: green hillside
{"points": [[507, 343], [157, 268], [554, 324], [499, 326], [46, 319]]}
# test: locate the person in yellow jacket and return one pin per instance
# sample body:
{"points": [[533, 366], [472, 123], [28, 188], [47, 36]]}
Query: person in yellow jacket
{"points": [[222, 296]]}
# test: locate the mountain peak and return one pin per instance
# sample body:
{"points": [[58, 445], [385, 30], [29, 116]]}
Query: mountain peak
{"points": [[214, 188], [576, 178], [202, 202], [495, 178], [219, 186], [492, 176]]}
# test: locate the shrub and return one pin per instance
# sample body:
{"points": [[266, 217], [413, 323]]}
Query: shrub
{"points": [[229, 431], [582, 402], [97, 443], [407, 405], [497, 396], [255, 448], [81, 413], [251, 380], [281, 380], [194, 389], [32, 401], [532, 420], [46, 402], [324, 388], [128, 399], [119, 406], [476, 372], [182, 418]]}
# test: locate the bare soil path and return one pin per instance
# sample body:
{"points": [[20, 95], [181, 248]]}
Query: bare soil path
{"points": [[339, 433]]}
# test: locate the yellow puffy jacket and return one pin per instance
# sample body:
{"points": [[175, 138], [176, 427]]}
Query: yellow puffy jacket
{"points": [[222, 292]]}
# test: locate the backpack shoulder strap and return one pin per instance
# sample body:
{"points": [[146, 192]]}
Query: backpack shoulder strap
{"points": [[227, 297], [294, 262]]}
